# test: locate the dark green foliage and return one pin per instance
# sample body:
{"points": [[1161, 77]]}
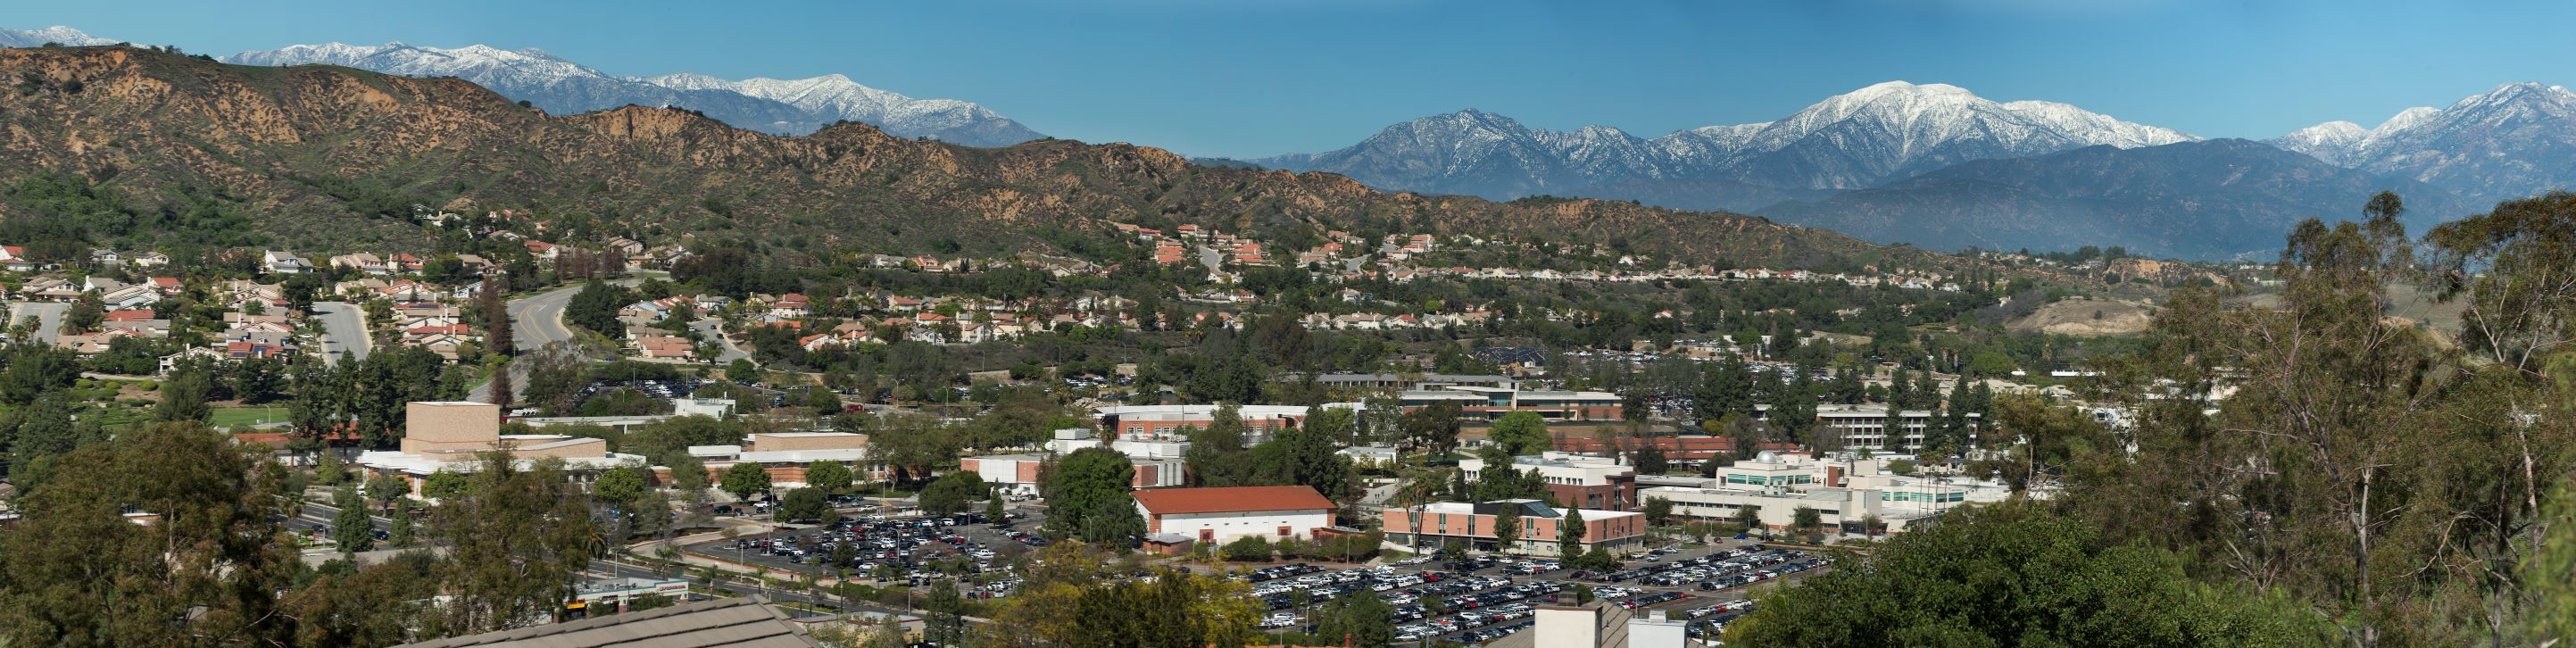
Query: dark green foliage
{"points": [[2017, 575], [595, 308]]}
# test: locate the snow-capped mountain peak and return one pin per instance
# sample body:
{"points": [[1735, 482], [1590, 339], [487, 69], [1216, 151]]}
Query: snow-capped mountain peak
{"points": [[1851, 140], [560, 85], [54, 34]]}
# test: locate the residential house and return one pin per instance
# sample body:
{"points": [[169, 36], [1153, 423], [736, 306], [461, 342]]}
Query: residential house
{"points": [[276, 262]]}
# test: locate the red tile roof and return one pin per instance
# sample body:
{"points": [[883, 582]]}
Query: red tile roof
{"points": [[1241, 499]]}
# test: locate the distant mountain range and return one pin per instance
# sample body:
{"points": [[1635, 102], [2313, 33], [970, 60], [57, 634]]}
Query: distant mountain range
{"points": [[1852, 141], [2214, 199], [57, 34], [1936, 166], [331, 157], [786, 107], [1932, 165], [790, 107]]}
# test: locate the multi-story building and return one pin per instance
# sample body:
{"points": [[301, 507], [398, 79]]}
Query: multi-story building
{"points": [[1875, 427], [1846, 493], [1019, 473], [1688, 448], [1489, 403], [1168, 422], [1578, 480], [1472, 523]]}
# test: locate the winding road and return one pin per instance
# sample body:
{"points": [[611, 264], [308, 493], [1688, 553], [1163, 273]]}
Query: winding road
{"points": [[536, 321]]}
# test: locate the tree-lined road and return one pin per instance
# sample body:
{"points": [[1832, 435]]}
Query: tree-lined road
{"points": [[535, 321]]}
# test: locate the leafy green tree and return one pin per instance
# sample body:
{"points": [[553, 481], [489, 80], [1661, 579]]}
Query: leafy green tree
{"points": [[831, 476], [1807, 520], [35, 369], [1659, 511], [1360, 621], [1522, 433], [444, 484], [2042, 580], [994, 509], [1080, 482], [1507, 529], [79, 573], [384, 489], [515, 538], [1247, 548], [1749, 516], [745, 479], [595, 308], [946, 623], [803, 504], [621, 484], [405, 529], [1113, 522], [948, 494], [351, 528], [1433, 427]]}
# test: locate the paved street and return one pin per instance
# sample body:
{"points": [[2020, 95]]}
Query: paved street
{"points": [[535, 321], [713, 329], [344, 330], [49, 316]]}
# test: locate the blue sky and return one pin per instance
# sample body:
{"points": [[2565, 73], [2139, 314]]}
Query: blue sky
{"points": [[1259, 77]]}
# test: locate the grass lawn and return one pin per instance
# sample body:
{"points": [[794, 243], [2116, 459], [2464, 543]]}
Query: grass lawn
{"points": [[244, 417]]}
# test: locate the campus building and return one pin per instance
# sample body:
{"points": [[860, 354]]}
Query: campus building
{"points": [[1489, 403], [450, 436], [1845, 492], [1219, 515], [786, 455], [1688, 448], [1168, 422], [1579, 480], [1020, 473], [1617, 532], [1876, 427]]}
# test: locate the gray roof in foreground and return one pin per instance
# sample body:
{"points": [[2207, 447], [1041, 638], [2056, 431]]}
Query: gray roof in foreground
{"points": [[732, 622]]}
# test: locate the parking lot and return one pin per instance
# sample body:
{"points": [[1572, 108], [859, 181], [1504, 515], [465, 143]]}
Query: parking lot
{"points": [[912, 549], [1466, 601], [1485, 598]]}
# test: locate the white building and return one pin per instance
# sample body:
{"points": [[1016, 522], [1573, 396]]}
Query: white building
{"points": [[1020, 473], [1583, 481], [1845, 492], [1874, 427], [1220, 515]]}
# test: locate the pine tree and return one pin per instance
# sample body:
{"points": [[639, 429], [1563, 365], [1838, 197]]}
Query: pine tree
{"points": [[497, 335], [1570, 532]]}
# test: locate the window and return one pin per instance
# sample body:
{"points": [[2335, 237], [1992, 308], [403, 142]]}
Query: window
{"points": [[1283, 532], [1207, 535]]}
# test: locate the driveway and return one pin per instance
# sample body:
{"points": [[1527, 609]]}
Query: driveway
{"points": [[344, 330], [49, 316]]}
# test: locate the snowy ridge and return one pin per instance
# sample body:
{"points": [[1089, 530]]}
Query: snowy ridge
{"points": [[2512, 141], [54, 34], [557, 84], [1852, 140]]}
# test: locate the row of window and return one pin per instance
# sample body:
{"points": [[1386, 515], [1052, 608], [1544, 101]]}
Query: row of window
{"points": [[1774, 480], [1930, 498]]}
